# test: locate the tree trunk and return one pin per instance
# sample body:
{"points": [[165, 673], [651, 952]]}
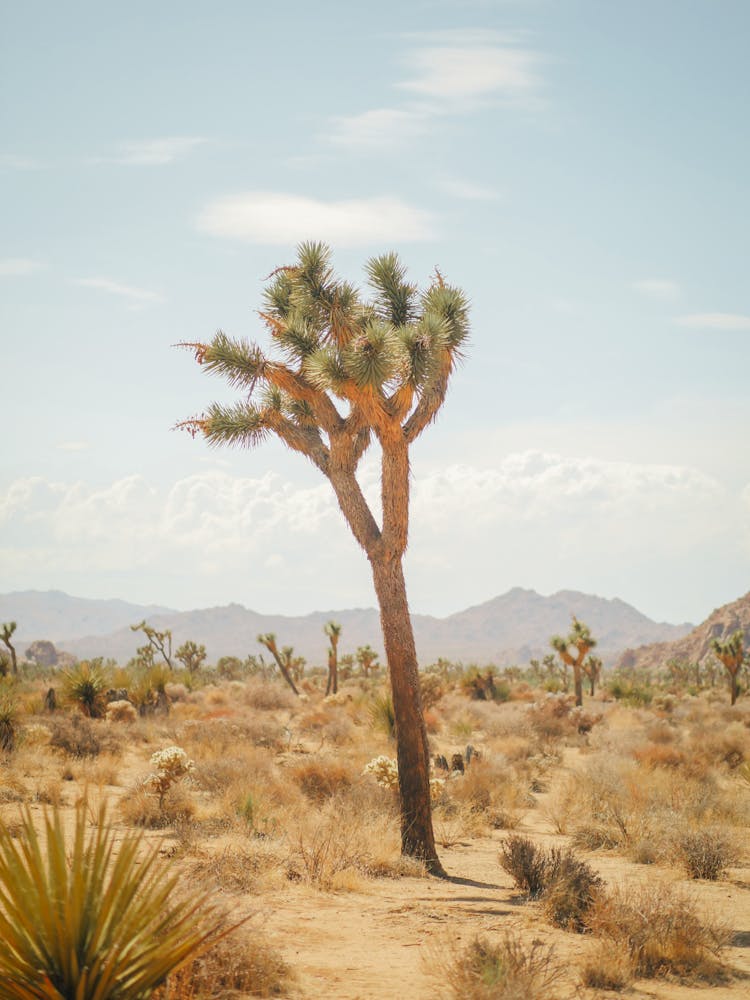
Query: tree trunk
{"points": [[578, 684], [417, 837], [592, 681], [735, 687]]}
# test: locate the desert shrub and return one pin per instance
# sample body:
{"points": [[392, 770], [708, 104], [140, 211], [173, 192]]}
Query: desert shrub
{"points": [[81, 920], [484, 684], [432, 689], [499, 970], [571, 888], [556, 718], [322, 778], [636, 693], [662, 932], [525, 863], [170, 765], [85, 685], [236, 869], [567, 885], [140, 807], [704, 853], [121, 711], [492, 791], [660, 755], [267, 695], [239, 965], [78, 736], [607, 968]]}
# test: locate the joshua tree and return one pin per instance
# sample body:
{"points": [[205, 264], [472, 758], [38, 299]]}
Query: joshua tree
{"points": [[6, 631], [333, 631], [353, 371], [160, 642], [731, 652], [580, 641], [268, 639], [592, 667], [367, 659], [191, 655]]}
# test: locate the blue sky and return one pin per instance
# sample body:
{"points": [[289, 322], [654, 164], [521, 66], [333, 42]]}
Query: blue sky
{"points": [[580, 168]]}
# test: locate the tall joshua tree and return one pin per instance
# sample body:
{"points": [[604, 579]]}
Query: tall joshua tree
{"points": [[333, 631], [573, 650], [731, 652], [354, 370]]}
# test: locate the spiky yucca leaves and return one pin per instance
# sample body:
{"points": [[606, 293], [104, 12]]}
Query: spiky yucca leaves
{"points": [[580, 640], [345, 371], [85, 684], [80, 920]]}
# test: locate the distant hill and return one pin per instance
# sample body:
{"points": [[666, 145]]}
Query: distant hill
{"points": [[508, 629], [696, 645], [52, 614]]}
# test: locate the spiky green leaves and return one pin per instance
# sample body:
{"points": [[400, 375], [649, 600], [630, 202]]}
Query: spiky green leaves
{"points": [[395, 298], [79, 919], [238, 361], [243, 424]]}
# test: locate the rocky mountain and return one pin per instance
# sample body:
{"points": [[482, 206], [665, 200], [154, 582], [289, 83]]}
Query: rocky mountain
{"points": [[696, 645], [508, 629]]}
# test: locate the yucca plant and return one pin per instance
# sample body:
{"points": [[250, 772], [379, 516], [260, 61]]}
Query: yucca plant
{"points": [[8, 721], [81, 921], [85, 684]]}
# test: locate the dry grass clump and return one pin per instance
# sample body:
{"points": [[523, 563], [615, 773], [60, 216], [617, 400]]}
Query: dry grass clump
{"points": [[78, 736], [607, 968], [265, 695], [207, 738], [240, 867], [121, 711], [490, 790], [557, 720], [706, 853], [505, 969], [322, 778], [140, 807], [239, 964], [567, 885], [662, 933]]}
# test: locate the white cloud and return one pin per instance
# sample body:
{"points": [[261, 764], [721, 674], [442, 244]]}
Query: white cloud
{"points": [[472, 71], [534, 519], [13, 161], [657, 288], [715, 321], [12, 267], [138, 296], [155, 152], [380, 127], [276, 218]]}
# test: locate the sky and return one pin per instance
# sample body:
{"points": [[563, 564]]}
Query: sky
{"points": [[581, 169]]}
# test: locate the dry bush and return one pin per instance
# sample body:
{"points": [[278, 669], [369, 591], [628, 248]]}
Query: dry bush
{"points": [[567, 885], [607, 968], [322, 778], [654, 755], [140, 807], [266, 696], [556, 719], [217, 737], [78, 736], [492, 791], [705, 854], [121, 711], [662, 933], [498, 970], [239, 964], [238, 868]]}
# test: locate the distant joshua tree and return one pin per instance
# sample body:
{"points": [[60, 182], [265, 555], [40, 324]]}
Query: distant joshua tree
{"points": [[159, 642], [282, 657], [191, 655], [580, 641], [592, 668], [731, 652], [6, 631], [367, 659], [333, 631]]}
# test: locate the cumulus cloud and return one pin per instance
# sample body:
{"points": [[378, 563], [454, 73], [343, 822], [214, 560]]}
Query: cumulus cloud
{"points": [[277, 218], [138, 297], [715, 321], [16, 267], [657, 288], [536, 519]]}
